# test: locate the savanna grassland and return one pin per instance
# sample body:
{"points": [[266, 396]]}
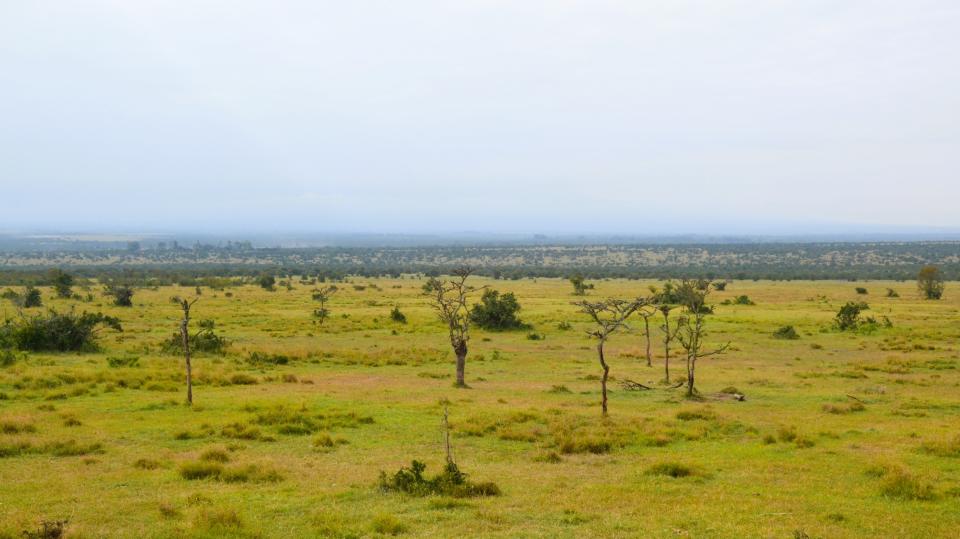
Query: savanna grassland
{"points": [[842, 434]]}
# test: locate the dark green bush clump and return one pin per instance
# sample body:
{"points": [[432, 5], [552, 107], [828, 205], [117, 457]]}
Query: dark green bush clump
{"points": [[56, 332], [122, 295], [497, 312], [451, 482], [398, 316], [123, 361], [786, 332]]}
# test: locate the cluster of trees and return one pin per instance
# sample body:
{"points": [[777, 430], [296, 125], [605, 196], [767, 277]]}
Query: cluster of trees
{"points": [[449, 297]]}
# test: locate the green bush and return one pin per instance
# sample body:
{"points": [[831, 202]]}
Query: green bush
{"points": [[451, 482], [57, 332], [497, 312], [786, 332]]}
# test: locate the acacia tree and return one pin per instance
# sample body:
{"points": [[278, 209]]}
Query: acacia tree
{"points": [[449, 298], [322, 295], [609, 316], [62, 282], [691, 329], [930, 282], [185, 339]]}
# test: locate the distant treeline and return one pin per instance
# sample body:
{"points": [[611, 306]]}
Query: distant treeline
{"points": [[208, 265]]}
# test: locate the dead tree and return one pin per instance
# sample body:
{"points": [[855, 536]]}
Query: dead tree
{"points": [[647, 312], [609, 316], [691, 329], [669, 334], [185, 339], [449, 298]]}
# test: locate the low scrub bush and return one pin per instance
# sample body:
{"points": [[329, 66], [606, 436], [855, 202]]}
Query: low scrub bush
{"points": [[450, 482], [787, 333], [57, 332], [671, 469]]}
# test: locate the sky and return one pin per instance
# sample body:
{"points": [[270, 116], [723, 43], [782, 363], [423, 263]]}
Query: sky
{"points": [[633, 117]]}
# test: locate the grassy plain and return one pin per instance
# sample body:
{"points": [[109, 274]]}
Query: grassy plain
{"points": [[305, 442]]}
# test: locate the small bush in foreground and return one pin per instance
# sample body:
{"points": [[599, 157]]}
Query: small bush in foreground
{"points": [[902, 485], [388, 525], [451, 482]]}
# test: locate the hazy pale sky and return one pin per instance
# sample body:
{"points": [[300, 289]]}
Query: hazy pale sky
{"points": [[593, 116]]}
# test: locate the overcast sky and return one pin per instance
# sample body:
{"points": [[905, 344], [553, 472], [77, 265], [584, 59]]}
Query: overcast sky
{"points": [[521, 116]]}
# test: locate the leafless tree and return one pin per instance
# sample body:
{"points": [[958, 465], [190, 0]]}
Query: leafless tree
{"points": [[669, 334], [185, 339], [691, 329], [647, 312], [609, 316], [449, 298]]}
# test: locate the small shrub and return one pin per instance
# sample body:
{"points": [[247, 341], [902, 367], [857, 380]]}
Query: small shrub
{"points": [[215, 455], [902, 485], [891, 293], [786, 332], [671, 469], [123, 361], [146, 464], [388, 525], [450, 482], [692, 415], [48, 529], [264, 359], [564, 326], [398, 316], [861, 290], [241, 379], [200, 470]]}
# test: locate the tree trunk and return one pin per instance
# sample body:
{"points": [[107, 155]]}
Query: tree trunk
{"points": [[185, 335], [461, 352], [603, 381], [666, 349], [646, 328], [691, 366]]}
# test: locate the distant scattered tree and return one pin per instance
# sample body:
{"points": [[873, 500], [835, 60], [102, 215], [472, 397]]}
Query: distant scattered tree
{"points": [[692, 329], [398, 316], [31, 298], [720, 286], [930, 282], [449, 298], [496, 312], [861, 290], [185, 305], [267, 282], [61, 281], [122, 295], [609, 316], [580, 285], [133, 246], [322, 295]]}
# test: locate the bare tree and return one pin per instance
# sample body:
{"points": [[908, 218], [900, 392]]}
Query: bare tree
{"points": [[609, 316], [691, 329], [322, 295], [647, 312], [185, 339], [449, 298], [668, 336]]}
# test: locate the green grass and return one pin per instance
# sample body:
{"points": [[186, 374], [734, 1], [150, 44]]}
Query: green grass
{"points": [[294, 447]]}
